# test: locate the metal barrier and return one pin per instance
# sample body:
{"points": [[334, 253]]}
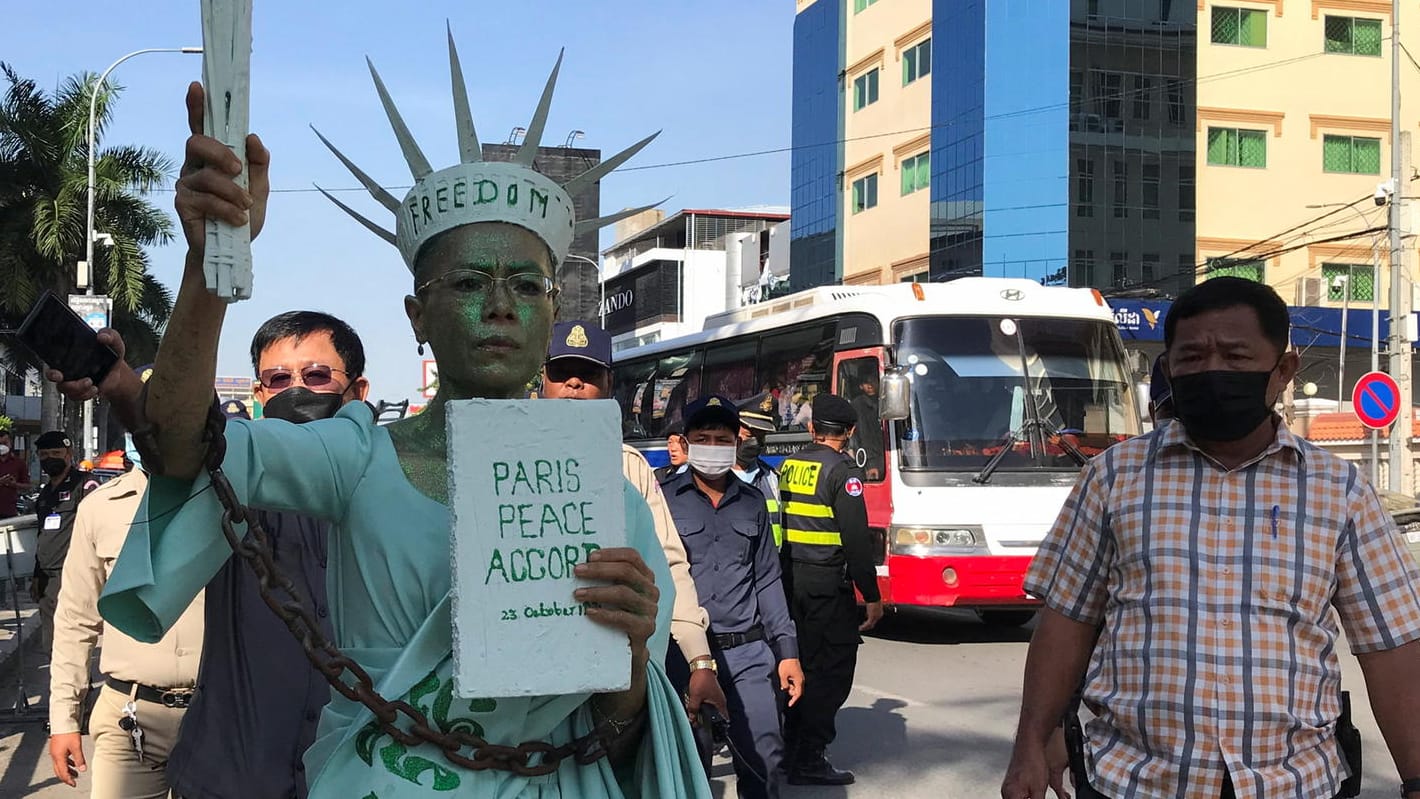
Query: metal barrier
{"points": [[19, 534]]}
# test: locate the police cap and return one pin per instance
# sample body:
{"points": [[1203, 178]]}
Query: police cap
{"points": [[712, 411], [235, 409], [833, 409], [757, 413], [54, 439], [1160, 392]]}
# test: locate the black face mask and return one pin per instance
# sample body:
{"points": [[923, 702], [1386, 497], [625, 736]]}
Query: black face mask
{"points": [[748, 452], [1221, 405], [53, 466], [299, 405]]}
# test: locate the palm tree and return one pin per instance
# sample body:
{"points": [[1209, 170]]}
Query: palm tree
{"points": [[43, 197]]}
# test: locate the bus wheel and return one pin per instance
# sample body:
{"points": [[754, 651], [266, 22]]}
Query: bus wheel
{"points": [[1006, 618]]}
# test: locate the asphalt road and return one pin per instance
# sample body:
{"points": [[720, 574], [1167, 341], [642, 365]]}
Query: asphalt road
{"points": [[931, 716]]}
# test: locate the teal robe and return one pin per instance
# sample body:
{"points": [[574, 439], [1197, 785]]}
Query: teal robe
{"points": [[388, 583]]}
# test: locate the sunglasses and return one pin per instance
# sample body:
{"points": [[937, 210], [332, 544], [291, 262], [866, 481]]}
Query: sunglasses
{"points": [[524, 286], [315, 376]]}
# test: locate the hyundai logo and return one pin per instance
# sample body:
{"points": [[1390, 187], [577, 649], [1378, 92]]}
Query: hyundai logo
{"points": [[1013, 295]]}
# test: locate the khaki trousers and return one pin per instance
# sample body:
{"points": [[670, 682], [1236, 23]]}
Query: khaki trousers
{"points": [[115, 769]]}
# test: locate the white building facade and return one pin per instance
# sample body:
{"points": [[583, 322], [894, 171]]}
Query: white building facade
{"points": [[663, 281]]}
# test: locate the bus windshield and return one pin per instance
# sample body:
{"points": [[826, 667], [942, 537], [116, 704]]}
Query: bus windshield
{"points": [[1036, 386]]}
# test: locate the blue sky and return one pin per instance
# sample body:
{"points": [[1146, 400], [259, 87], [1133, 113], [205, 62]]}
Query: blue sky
{"points": [[714, 75]]}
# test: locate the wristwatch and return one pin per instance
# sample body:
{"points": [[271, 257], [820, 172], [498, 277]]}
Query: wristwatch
{"points": [[704, 663]]}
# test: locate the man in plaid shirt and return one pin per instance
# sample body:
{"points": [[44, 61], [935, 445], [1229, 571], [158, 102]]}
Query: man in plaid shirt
{"points": [[1208, 557]]}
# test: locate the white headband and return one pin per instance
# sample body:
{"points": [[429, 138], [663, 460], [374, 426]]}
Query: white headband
{"points": [[475, 190]]}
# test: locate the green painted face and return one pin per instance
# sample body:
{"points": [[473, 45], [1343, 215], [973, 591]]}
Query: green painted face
{"points": [[489, 340]]}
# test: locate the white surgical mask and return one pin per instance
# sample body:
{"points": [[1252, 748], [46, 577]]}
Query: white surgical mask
{"points": [[712, 460], [4, 450]]}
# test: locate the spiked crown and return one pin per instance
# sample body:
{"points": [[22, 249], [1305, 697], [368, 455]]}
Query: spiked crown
{"points": [[475, 190]]}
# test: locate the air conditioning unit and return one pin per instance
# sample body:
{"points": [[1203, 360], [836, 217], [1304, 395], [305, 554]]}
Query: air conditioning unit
{"points": [[1310, 291]]}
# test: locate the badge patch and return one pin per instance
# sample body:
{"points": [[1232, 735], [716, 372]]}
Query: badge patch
{"points": [[854, 487], [577, 337]]}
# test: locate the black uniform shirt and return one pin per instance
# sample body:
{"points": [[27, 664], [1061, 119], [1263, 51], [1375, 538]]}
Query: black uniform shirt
{"points": [[258, 698], [840, 486], [55, 507], [733, 560]]}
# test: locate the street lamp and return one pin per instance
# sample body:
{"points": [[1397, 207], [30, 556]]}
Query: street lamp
{"points": [[601, 284], [85, 275]]}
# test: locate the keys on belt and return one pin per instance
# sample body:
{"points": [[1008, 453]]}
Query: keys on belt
{"points": [[128, 722], [724, 641], [178, 698]]}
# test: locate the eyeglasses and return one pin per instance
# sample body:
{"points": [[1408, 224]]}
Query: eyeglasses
{"points": [[524, 286], [316, 376]]}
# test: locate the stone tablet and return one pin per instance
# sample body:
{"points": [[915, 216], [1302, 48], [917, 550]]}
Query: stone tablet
{"points": [[534, 487]]}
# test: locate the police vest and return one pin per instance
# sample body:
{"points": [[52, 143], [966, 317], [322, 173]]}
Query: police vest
{"points": [[768, 485], [808, 504]]}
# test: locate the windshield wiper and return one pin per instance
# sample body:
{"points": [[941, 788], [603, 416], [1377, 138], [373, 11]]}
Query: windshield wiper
{"points": [[984, 476]]}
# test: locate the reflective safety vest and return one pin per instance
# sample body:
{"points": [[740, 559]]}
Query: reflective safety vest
{"points": [[808, 502], [768, 484]]}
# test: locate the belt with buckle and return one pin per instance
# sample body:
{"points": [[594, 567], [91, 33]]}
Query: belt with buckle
{"points": [[724, 641], [167, 697]]}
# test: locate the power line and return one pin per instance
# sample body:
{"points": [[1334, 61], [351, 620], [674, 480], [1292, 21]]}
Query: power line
{"points": [[1120, 96]]}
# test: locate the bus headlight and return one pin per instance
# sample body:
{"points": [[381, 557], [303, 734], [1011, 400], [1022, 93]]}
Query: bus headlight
{"points": [[925, 540]]}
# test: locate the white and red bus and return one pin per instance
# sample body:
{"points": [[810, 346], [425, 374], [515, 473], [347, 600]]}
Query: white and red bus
{"points": [[978, 399]]}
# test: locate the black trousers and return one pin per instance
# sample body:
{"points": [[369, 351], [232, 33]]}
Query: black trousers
{"points": [[826, 617]]}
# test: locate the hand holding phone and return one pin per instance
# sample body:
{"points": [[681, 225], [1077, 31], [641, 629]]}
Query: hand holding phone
{"points": [[60, 337]]}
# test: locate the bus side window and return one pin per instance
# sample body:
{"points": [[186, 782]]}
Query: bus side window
{"points": [[858, 383], [676, 385], [729, 370], [794, 367], [629, 387]]}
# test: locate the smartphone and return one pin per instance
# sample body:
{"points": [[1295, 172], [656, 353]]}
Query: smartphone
{"points": [[61, 338]]}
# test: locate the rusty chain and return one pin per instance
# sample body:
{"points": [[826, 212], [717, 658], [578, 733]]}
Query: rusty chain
{"points": [[333, 664]]}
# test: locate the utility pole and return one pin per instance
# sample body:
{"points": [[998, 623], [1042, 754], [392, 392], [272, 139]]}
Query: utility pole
{"points": [[1402, 468]]}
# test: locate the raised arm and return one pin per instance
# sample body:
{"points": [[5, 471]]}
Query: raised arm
{"points": [[180, 390]]}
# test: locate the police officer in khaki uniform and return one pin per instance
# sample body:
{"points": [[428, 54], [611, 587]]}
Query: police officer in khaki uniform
{"points": [[147, 686], [578, 367], [827, 541]]}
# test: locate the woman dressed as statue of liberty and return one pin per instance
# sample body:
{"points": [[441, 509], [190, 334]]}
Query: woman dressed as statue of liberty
{"points": [[482, 242]]}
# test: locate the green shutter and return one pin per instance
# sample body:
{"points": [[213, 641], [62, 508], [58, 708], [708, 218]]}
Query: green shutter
{"points": [[1366, 37], [1336, 153], [857, 196], [909, 177], [1252, 28], [1221, 148], [1252, 148], [1366, 156], [859, 5], [924, 170], [909, 65]]}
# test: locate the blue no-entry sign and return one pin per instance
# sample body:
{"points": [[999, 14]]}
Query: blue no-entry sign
{"points": [[1376, 400]]}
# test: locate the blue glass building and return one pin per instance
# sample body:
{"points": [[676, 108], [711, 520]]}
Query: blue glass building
{"points": [[815, 246], [1062, 147]]}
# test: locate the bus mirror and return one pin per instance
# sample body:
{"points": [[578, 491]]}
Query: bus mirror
{"points": [[893, 396]]}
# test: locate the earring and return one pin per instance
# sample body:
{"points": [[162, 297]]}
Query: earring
{"points": [[421, 348]]}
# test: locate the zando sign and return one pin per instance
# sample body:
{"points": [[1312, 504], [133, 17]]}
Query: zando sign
{"points": [[619, 301]]}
